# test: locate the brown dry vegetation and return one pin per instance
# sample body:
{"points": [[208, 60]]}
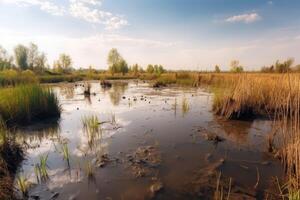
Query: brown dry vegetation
{"points": [[274, 96]]}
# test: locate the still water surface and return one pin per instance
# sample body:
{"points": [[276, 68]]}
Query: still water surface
{"points": [[153, 143]]}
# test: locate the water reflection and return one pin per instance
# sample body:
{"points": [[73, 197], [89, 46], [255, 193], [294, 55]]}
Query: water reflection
{"points": [[67, 91], [117, 91]]}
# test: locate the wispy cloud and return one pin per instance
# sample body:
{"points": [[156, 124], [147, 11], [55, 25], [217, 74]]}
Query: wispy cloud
{"points": [[44, 5], [88, 10], [83, 9], [244, 18]]}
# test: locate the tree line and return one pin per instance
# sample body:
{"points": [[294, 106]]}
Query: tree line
{"points": [[31, 58], [117, 64]]}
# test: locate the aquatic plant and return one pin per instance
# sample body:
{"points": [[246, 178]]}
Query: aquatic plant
{"points": [[89, 170], [185, 106], [92, 128], [66, 153], [41, 169], [220, 193], [91, 123], [24, 104], [23, 185]]}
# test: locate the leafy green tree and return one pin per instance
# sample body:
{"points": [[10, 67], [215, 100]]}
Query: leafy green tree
{"points": [[21, 55], [150, 69], [114, 60], [63, 64], [236, 67], [161, 69], [217, 69], [123, 67]]}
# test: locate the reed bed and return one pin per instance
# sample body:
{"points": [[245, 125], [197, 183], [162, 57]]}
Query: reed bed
{"points": [[276, 97], [13, 77], [24, 104]]}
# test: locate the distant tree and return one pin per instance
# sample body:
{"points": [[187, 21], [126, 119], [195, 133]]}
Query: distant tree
{"points": [[135, 69], [267, 69], [123, 67], [21, 55], [235, 66], [63, 64], [40, 63], [284, 67], [217, 69], [32, 55], [65, 60], [150, 69], [5, 59], [160, 69], [141, 70], [114, 61]]}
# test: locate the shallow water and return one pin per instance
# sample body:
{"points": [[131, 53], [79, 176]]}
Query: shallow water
{"points": [[156, 139]]}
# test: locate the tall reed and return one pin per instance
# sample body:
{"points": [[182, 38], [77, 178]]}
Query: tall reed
{"points": [[24, 104]]}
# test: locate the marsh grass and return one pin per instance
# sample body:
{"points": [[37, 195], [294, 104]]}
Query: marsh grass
{"points": [[92, 128], [24, 104], [41, 169], [23, 185], [12, 77], [276, 97], [220, 192], [185, 105], [89, 170], [66, 153]]}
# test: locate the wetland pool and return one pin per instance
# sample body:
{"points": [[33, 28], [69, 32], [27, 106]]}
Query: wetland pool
{"points": [[150, 143]]}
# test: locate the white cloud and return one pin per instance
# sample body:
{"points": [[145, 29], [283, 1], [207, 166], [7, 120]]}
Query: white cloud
{"points": [[245, 18], [88, 10], [44, 5], [82, 9]]}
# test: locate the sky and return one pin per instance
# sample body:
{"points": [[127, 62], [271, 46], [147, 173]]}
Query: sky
{"points": [[179, 34]]}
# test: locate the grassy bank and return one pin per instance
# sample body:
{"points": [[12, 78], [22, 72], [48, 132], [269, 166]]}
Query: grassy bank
{"points": [[14, 77], [25, 104]]}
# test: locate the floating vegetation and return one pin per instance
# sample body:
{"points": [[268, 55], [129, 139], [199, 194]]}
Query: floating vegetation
{"points": [[23, 185]]}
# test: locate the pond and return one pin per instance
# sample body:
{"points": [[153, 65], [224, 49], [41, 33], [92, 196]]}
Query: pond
{"points": [[147, 144]]}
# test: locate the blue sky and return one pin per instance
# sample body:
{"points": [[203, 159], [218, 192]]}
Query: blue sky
{"points": [[180, 34]]}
